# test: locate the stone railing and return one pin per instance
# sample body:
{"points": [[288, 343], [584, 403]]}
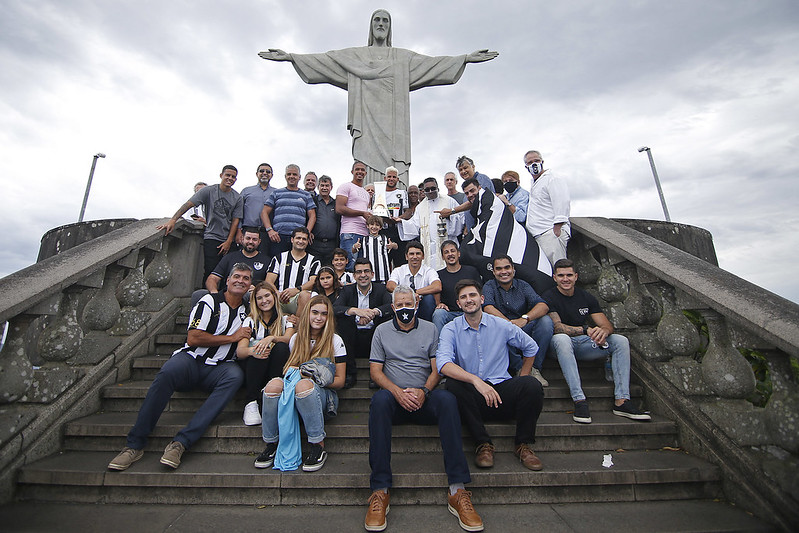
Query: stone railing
{"points": [[702, 381], [74, 321]]}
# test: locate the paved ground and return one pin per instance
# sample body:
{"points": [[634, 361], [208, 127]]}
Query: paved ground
{"points": [[660, 517]]}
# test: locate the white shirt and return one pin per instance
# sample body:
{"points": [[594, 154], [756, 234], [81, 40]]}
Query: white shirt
{"points": [[402, 276], [549, 203], [424, 224]]}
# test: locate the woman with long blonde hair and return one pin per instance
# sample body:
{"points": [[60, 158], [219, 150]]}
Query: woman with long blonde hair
{"points": [[315, 338], [265, 353]]}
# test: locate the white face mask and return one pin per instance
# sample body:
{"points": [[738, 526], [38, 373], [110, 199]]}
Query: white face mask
{"points": [[535, 168]]}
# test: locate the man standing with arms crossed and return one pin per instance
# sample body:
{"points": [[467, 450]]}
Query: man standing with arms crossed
{"points": [[253, 199]]}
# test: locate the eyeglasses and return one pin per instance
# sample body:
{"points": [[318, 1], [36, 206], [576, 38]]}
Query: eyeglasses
{"points": [[430, 189], [264, 172]]}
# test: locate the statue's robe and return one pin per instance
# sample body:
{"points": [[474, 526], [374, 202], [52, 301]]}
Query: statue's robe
{"points": [[378, 90]]}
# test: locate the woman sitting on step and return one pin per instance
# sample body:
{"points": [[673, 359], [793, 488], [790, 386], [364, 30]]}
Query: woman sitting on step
{"points": [[265, 353], [316, 367]]}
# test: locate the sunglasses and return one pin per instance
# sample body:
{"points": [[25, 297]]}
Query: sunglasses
{"points": [[430, 189]]}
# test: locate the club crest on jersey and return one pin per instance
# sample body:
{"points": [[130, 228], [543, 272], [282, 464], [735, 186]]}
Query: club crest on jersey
{"points": [[257, 265], [583, 311]]}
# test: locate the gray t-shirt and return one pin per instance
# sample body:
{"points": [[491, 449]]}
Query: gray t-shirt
{"points": [[220, 210], [405, 354]]}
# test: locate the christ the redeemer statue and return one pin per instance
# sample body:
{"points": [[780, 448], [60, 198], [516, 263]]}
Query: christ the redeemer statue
{"points": [[378, 79]]}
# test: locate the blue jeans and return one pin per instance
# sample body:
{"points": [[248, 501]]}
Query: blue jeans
{"points": [[540, 330], [311, 408], [440, 408], [184, 373], [346, 241], [441, 317], [572, 349], [427, 305]]}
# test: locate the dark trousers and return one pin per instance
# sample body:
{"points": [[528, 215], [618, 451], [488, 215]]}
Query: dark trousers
{"points": [[357, 341], [522, 399], [211, 257], [183, 373], [277, 248], [322, 249], [397, 257], [258, 372], [440, 408]]}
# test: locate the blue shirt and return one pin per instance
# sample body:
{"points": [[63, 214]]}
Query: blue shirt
{"points": [[520, 198], [289, 209], [513, 303], [254, 198], [484, 351]]}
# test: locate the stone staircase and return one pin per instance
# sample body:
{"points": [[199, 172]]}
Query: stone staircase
{"points": [[648, 465]]}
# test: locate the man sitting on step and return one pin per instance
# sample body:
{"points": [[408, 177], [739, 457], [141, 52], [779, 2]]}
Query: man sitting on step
{"points": [[207, 362], [473, 355], [574, 340], [403, 364]]}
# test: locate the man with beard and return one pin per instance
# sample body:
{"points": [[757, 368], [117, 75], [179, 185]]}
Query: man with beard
{"points": [[249, 255], [396, 201]]}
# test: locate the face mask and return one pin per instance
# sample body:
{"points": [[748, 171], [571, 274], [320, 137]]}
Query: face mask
{"points": [[405, 315], [510, 186], [535, 168]]}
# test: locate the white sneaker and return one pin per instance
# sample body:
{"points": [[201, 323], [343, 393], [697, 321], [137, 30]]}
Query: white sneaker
{"points": [[537, 375], [252, 415]]}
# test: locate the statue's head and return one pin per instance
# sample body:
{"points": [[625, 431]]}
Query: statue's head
{"points": [[380, 27]]}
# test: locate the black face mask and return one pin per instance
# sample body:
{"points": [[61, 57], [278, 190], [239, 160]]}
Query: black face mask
{"points": [[405, 315], [510, 186]]}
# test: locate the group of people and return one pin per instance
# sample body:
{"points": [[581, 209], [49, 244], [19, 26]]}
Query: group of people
{"points": [[334, 289]]}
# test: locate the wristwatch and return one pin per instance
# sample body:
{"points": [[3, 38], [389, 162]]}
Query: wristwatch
{"points": [[527, 318], [585, 329], [426, 392], [268, 229]]}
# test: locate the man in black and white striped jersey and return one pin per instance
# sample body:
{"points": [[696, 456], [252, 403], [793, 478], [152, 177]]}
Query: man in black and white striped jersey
{"points": [[207, 362], [293, 273]]}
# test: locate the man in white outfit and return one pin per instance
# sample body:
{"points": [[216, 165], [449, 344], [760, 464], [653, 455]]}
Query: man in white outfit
{"points": [[424, 224], [548, 208]]}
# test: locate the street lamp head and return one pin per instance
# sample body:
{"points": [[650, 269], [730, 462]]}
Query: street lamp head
{"points": [[643, 149], [99, 154]]}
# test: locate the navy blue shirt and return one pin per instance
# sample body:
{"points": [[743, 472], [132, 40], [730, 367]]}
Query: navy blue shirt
{"points": [[513, 303]]}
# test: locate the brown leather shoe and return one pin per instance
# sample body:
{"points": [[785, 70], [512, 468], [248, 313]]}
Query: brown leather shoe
{"points": [[460, 504], [378, 509], [527, 457], [484, 455]]}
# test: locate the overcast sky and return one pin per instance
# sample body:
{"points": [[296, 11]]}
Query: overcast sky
{"points": [[171, 91]]}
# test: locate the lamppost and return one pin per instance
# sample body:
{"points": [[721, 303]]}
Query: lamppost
{"points": [[89, 186], [657, 181]]}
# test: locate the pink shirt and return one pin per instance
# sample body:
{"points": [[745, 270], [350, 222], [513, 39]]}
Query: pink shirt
{"points": [[358, 199]]}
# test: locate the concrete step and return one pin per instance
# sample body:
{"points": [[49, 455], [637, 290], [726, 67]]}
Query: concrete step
{"points": [[344, 480], [127, 396], [653, 516], [349, 433]]}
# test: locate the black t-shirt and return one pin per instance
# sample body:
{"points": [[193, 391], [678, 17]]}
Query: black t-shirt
{"points": [[448, 281], [258, 263], [572, 310]]}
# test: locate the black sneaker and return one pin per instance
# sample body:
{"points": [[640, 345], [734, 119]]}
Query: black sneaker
{"points": [[627, 410], [350, 381], [314, 459], [267, 457], [581, 412], [373, 385]]}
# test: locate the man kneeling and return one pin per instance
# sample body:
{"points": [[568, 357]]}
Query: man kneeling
{"points": [[403, 364], [206, 362]]}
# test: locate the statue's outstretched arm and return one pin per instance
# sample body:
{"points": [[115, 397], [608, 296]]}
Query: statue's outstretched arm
{"points": [[478, 57], [276, 54]]}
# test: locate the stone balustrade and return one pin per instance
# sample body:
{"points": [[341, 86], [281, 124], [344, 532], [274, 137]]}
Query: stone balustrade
{"points": [[703, 381], [75, 319]]}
